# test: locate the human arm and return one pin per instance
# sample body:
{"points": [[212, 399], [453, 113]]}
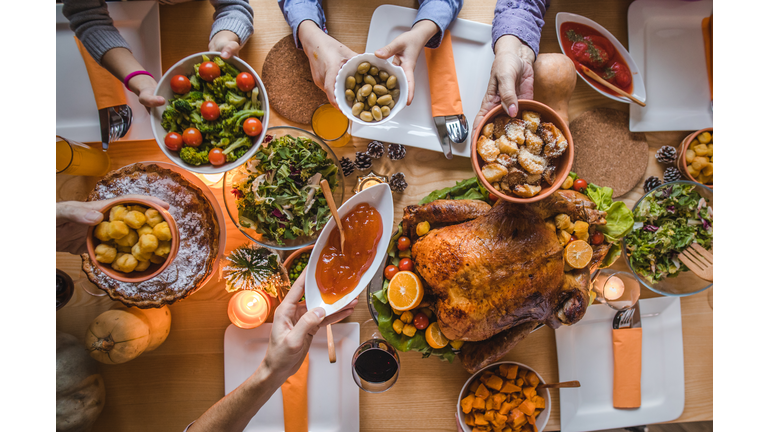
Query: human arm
{"points": [[74, 217], [516, 34], [232, 26], [292, 331]]}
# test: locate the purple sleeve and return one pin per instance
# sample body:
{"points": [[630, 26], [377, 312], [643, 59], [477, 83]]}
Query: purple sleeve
{"points": [[521, 18], [298, 11], [440, 12]]}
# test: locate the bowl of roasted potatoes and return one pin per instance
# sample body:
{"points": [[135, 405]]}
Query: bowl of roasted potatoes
{"points": [[136, 240], [522, 159], [504, 396]]}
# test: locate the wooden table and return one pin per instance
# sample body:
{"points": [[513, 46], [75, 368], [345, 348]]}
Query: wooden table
{"points": [[166, 389]]}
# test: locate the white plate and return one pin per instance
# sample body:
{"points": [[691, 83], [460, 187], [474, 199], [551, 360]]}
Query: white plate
{"points": [[665, 40], [333, 399], [638, 86], [585, 353], [472, 52], [380, 198], [77, 116]]}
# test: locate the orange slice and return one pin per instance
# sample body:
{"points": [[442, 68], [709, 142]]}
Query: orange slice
{"points": [[405, 291], [578, 254], [435, 337]]}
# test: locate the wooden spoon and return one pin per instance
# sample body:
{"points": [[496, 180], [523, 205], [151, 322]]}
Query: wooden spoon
{"points": [[332, 205], [599, 79], [566, 384], [698, 260], [331, 345]]}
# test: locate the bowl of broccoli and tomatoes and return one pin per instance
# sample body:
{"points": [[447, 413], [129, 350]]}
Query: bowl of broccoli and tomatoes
{"points": [[216, 113]]}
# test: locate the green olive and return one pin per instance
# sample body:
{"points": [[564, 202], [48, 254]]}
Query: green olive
{"points": [[391, 82], [369, 80], [366, 90], [357, 87], [358, 77], [363, 68], [391, 105], [349, 94], [359, 95], [385, 111], [384, 100], [395, 94], [380, 90], [383, 75], [374, 71], [372, 99], [350, 82], [376, 113], [357, 109], [366, 116]]}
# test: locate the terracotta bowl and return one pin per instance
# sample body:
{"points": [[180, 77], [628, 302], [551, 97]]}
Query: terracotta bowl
{"points": [[681, 164], [294, 256], [563, 164], [154, 269]]}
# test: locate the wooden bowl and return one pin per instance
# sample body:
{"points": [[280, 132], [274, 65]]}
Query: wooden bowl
{"points": [[681, 164], [563, 164], [154, 269], [294, 256]]}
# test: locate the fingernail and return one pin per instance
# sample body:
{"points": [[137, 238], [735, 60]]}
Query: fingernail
{"points": [[93, 216], [320, 312]]}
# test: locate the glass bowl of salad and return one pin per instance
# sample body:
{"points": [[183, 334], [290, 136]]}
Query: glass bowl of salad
{"points": [[667, 220], [275, 198]]}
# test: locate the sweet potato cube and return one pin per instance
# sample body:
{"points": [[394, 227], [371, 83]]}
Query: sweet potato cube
{"points": [[506, 407], [497, 399], [512, 372], [473, 387], [536, 413], [532, 422], [529, 392], [480, 429], [480, 419], [516, 402], [482, 392], [510, 387], [499, 420], [533, 379], [519, 382], [526, 428], [521, 373], [490, 415], [489, 404], [484, 377], [507, 429], [539, 402], [494, 382], [503, 368], [478, 403], [518, 418], [469, 419], [527, 407], [466, 403]]}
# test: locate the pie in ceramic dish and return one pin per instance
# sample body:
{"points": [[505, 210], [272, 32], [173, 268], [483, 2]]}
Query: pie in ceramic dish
{"points": [[198, 235]]}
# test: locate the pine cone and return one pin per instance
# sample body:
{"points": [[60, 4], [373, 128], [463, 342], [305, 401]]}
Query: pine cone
{"points": [[362, 161], [375, 149], [671, 174], [347, 166], [666, 155], [397, 182], [651, 182], [396, 152]]}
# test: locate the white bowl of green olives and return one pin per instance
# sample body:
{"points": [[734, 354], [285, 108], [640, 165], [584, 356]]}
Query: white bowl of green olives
{"points": [[370, 90]]}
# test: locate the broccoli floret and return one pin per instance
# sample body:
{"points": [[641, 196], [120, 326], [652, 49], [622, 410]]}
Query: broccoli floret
{"points": [[207, 127], [195, 81], [193, 96], [237, 154], [244, 141], [194, 156], [222, 85], [226, 111], [182, 106], [235, 100], [171, 118], [225, 67]]}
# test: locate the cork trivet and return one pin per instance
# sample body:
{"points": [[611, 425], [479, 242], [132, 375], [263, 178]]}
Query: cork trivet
{"points": [[288, 80], [607, 153]]}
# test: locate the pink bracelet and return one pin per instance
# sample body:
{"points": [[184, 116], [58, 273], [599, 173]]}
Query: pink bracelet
{"points": [[133, 74]]}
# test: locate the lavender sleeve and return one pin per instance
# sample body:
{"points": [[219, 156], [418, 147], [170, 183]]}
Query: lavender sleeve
{"points": [[297, 11], [521, 18], [440, 12]]}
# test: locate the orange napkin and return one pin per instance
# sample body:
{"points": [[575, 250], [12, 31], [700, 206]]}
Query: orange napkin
{"points": [[706, 29], [107, 89], [443, 83], [627, 367], [295, 412]]}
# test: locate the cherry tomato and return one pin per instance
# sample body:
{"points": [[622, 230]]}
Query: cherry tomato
{"points": [[597, 238], [209, 110], [209, 71], [192, 137], [390, 272], [245, 82], [579, 185], [252, 126], [180, 84], [421, 321], [216, 157], [406, 264], [621, 75], [493, 197], [403, 243], [573, 238], [173, 141]]}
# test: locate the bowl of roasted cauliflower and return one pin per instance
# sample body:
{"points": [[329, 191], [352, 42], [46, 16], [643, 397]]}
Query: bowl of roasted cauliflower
{"points": [[136, 240], [526, 158]]}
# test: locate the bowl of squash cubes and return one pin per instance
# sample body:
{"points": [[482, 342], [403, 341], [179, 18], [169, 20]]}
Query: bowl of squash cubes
{"points": [[503, 397]]}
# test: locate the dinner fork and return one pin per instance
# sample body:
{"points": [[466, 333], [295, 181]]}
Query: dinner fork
{"points": [[698, 260], [626, 318]]}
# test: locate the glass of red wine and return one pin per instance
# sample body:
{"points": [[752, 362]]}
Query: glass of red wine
{"points": [[375, 364]]}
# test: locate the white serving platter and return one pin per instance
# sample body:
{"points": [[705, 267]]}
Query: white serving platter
{"points": [[666, 42], [77, 117], [380, 198], [585, 353], [333, 399], [473, 55]]}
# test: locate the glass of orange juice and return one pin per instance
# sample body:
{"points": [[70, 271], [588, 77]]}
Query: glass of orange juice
{"points": [[75, 158], [331, 125]]}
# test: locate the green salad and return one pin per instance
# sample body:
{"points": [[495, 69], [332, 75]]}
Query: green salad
{"points": [[278, 189], [667, 221]]}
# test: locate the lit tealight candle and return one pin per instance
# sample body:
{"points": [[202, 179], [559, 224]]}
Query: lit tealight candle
{"points": [[613, 289], [248, 309], [211, 179]]}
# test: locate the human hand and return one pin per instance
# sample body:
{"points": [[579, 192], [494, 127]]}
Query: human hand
{"points": [[74, 217], [406, 49], [225, 42], [511, 77], [292, 331], [326, 56], [144, 87]]}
